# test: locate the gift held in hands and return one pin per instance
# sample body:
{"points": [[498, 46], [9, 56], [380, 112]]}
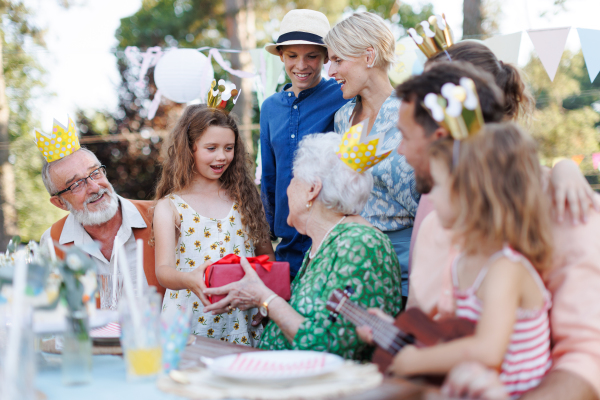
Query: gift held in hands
{"points": [[274, 274]]}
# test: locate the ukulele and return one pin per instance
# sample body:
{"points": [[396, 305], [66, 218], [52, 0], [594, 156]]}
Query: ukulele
{"points": [[411, 327]]}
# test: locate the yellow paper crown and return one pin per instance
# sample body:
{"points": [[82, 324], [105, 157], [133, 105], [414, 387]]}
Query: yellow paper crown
{"points": [[457, 109], [221, 96], [359, 151], [60, 143], [432, 36]]}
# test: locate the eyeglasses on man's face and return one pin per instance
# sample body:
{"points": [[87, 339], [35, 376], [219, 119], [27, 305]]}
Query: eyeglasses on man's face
{"points": [[78, 186]]}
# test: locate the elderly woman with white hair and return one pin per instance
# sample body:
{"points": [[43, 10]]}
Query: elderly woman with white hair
{"points": [[362, 49], [325, 199]]}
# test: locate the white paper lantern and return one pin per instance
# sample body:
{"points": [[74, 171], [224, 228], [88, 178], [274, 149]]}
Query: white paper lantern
{"points": [[183, 75]]}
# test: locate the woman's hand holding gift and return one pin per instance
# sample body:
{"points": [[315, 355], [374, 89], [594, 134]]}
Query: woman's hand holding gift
{"points": [[249, 292]]}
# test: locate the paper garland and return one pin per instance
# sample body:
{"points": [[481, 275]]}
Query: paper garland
{"points": [[505, 47], [590, 41], [549, 45]]}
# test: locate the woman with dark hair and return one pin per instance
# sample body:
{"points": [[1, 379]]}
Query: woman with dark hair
{"points": [[567, 184], [519, 104]]}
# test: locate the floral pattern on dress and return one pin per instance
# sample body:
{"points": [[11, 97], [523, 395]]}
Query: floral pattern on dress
{"points": [[354, 255], [393, 202], [206, 239]]}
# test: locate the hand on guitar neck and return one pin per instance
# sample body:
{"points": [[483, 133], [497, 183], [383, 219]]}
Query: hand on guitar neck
{"points": [[412, 327], [365, 333]]}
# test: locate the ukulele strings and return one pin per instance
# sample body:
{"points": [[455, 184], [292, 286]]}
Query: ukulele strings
{"points": [[390, 340], [386, 337]]}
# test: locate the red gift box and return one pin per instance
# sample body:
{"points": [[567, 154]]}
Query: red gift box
{"points": [[274, 274]]}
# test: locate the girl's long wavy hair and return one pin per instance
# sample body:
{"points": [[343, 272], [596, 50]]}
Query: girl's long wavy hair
{"points": [[496, 187], [178, 167]]}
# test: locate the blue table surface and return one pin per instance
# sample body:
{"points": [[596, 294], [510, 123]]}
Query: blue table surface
{"points": [[108, 383]]}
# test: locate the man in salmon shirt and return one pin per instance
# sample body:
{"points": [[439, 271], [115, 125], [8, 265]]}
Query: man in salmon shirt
{"points": [[573, 280]]}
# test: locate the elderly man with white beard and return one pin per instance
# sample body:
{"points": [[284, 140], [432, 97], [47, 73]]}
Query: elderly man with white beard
{"points": [[77, 182]]}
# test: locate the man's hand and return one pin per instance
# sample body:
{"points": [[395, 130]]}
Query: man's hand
{"points": [[569, 189], [472, 380]]}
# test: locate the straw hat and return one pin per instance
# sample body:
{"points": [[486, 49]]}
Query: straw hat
{"points": [[301, 27]]}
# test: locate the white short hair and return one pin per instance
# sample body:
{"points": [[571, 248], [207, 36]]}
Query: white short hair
{"points": [[351, 38], [343, 189], [47, 179]]}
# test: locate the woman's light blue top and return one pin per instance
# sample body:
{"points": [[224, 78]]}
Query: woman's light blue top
{"points": [[393, 202]]}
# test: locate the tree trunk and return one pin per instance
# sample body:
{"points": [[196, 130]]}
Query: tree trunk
{"points": [[8, 212], [240, 23], [472, 19]]}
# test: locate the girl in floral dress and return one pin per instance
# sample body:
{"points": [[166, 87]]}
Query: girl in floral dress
{"points": [[207, 207]]}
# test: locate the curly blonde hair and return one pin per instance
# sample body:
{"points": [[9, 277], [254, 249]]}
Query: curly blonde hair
{"points": [[496, 187], [178, 167]]}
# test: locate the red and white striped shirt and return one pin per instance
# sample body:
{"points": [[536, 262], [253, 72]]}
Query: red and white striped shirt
{"points": [[527, 358]]}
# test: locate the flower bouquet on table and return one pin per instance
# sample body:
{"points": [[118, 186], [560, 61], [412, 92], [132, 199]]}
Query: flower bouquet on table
{"points": [[43, 279], [274, 274]]}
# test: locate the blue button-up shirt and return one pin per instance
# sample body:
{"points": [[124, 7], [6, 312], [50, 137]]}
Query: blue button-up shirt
{"points": [[284, 120]]}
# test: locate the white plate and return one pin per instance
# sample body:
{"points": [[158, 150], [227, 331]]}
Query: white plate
{"points": [[275, 365], [110, 331], [47, 323]]}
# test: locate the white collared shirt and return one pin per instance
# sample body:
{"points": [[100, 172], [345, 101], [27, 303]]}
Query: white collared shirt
{"points": [[74, 232]]}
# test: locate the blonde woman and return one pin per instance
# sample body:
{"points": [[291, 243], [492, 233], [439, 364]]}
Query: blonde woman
{"points": [[362, 49]]}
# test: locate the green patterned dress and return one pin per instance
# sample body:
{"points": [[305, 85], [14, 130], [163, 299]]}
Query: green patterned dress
{"points": [[354, 255]]}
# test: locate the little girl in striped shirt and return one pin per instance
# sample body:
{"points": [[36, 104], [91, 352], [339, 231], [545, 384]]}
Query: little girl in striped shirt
{"points": [[488, 190]]}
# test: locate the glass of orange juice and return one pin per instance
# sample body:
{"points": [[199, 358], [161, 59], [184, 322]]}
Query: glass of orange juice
{"points": [[141, 345]]}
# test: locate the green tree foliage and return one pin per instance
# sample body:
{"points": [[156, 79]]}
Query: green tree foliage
{"points": [[23, 75], [564, 122], [132, 164]]}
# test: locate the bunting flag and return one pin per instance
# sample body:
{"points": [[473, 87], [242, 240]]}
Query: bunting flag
{"points": [[505, 47], [590, 39], [268, 70], [578, 158], [549, 45], [596, 160]]}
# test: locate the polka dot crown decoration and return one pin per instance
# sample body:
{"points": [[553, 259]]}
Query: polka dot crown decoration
{"points": [[60, 143], [358, 151]]}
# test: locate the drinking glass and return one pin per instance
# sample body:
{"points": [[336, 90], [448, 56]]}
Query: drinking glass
{"points": [[142, 345], [105, 286], [77, 350], [17, 381]]}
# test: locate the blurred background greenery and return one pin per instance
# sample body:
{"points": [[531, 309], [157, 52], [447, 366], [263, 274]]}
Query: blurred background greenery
{"points": [[565, 122]]}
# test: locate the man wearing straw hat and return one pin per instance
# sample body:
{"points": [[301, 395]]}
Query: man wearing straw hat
{"points": [[305, 106], [77, 183]]}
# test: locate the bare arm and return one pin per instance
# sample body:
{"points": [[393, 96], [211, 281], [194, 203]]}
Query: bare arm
{"points": [[166, 226], [251, 292], [492, 334]]}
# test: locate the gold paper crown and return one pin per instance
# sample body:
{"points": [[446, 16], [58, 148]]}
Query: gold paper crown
{"points": [[432, 36], [457, 109], [60, 143], [359, 151], [221, 97]]}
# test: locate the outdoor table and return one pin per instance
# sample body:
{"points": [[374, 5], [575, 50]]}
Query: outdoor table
{"points": [[109, 381], [391, 388]]}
